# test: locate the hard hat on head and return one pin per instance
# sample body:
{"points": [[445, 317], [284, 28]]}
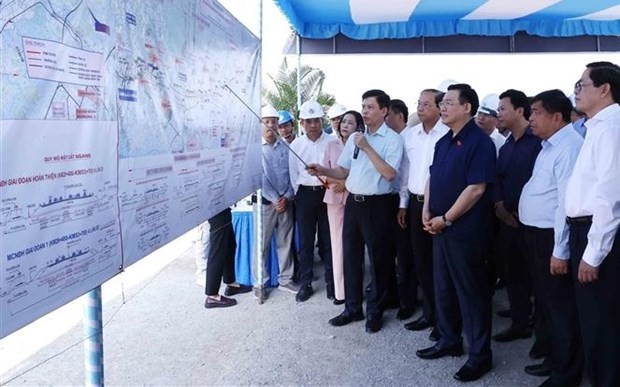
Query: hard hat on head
{"points": [[268, 111], [284, 116], [443, 86], [310, 109], [336, 110], [489, 104]]}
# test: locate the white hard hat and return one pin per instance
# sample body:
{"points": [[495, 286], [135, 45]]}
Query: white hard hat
{"points": [[336, 110], [488, 105], [443, 86], [310, 109], [269, 111]]}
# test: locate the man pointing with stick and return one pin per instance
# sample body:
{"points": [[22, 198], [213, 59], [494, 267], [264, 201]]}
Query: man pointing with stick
{"points": [[367, 217]]}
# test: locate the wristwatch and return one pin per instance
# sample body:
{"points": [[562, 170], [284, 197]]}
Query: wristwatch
{"points": [[446, 221]]}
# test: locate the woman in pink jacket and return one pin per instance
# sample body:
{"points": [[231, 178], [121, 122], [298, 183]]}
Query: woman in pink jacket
{"points": [[336, 197]]}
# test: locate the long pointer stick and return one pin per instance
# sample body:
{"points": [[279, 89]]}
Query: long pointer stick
{"points": [[282, 140]]}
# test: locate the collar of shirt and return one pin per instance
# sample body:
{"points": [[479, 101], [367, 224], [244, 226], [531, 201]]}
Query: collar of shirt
{"points": [[464, 133], [602, 115], [419, 128], [557, 137], [528, 132], [381, 131]]}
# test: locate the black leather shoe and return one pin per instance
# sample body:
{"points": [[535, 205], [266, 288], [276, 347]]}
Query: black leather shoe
{"points": [[304, 293], [345, 318], [338, 302], [472, 371], [505, 313], [435, 352], [374, 324], [434, 336], [418, 324], [405, 313], [538, 351], [541, 370], [232, 290], [512, 334], [223, 302]]}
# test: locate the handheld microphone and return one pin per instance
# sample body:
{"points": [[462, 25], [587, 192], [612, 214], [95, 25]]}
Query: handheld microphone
{"points": [[360, 129]]}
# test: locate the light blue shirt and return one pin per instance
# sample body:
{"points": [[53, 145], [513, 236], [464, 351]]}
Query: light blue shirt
{"points": [[580, 127], [276, 179], [542, 200], [364, 179]]}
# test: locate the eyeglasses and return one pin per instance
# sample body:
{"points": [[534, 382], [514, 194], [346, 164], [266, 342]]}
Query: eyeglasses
{"points": [[447, 104], [580, 85]]}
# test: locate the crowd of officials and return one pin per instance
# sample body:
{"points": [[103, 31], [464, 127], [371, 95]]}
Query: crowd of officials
{"points": [[512, 189]]}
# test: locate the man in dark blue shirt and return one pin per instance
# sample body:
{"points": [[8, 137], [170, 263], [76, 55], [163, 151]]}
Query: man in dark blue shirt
{"points": [[457, 208], [514, 168]]}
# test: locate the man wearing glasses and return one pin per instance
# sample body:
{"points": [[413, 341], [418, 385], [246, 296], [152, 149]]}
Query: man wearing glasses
{"points": [[457, 211], [593, 215]]}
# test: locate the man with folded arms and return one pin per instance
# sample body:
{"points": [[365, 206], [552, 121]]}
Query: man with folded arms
{"points": [[593, 214], [545, 231], [369, 163]]}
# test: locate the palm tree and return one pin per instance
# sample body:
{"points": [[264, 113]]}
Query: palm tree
{"points": [[283, 94]]}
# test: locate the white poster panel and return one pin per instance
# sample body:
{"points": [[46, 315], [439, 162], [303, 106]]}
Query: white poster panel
{"points": [[118, 134], [189, 148]]}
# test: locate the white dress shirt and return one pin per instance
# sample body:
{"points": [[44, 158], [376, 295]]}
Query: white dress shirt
{"points": [[542, 200], [594, 186], [312, 152], [420, 148]]}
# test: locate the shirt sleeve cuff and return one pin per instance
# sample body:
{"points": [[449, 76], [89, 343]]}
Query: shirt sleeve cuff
{"points": [[561, 252], [592, 257], [404, 202]]}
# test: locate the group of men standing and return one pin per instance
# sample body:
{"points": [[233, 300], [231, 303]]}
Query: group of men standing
{"points": [[547, 203]]}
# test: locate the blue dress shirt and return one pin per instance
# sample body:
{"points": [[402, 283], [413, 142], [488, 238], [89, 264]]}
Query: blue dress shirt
{"points": [[364, 179], [542, 200], [276, 179]]}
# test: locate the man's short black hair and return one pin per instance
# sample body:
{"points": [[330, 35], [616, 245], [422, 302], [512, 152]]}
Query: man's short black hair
{"points": [[467, 95]]}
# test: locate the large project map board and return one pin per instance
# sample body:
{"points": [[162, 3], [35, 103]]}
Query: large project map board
{"points": [[118, 133]]}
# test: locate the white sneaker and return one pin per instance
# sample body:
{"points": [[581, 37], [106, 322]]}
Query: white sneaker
{"points": [[289, 287]]}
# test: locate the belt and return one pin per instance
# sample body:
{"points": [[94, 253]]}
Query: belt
{"points": [[364, 198], [313, 187], [265, 201], [579, 220], [417, 197]]}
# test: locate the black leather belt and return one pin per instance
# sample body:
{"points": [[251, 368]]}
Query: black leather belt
{"points": [[313, 187], [364, 198], [417, 197], [579, 220]]}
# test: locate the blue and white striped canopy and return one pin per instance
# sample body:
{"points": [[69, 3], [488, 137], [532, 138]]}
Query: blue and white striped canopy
{"points": [[400, 19]]}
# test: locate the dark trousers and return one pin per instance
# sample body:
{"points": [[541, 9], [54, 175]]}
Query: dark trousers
{"points": [[407, 279], [366, 222], [598, 304], [222, 247], [556, 298], [517, 274], [312, 217], [422, 249], [461, 284]]}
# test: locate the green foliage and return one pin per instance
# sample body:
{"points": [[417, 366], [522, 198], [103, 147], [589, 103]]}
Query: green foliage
{"points": [[282, 90]]}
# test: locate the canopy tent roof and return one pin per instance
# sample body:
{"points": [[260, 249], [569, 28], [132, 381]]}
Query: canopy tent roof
{"points": [[585, 25]]}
